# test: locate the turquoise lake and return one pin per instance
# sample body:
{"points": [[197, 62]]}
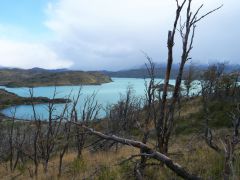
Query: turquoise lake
{"points": [[107, 94]]}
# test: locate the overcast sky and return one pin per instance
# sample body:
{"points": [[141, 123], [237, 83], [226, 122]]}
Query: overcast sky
{"points": [[109, 34]]}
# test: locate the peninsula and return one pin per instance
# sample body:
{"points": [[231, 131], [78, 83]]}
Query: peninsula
{"points": [[41, 77], [8, 99]]}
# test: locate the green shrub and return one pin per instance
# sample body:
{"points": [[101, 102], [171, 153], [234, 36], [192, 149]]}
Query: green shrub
{"points": [[78, 165], [107, 173], [219, 111]]}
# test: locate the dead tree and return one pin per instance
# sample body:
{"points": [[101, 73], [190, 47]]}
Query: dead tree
{"points": [[49, 132], [89, 112], [11, 141], [150, 112], [124, 115], [64, 144], [15, 135], [126, 108], [149, 152], [230, 142], [66, 134], [37, 129], [46, 134], [236, 74], [166, 121], [47, 140], [189, 77], [209, 93]]}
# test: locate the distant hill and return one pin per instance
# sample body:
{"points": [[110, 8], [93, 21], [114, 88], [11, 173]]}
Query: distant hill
{"points": [[42, 77], [160, 70], [37, 69], [141, 72]]}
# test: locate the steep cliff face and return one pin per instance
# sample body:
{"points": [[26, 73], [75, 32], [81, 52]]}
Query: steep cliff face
{"points": [[41, 77]]}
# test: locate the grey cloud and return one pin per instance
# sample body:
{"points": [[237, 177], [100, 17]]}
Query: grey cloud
{"points": [[109, 34]]}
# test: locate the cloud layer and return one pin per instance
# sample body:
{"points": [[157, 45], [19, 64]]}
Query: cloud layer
{"points": [[28, 55], [107, 34]]}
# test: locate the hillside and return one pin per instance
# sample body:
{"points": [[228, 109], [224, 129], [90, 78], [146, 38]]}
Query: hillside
{"points": [[8, 99], [41, 77], [160, 69], [142, 72]]}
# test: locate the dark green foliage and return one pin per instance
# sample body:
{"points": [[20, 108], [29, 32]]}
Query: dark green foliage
{"points": [[127, 170], [107, 173], [188, 126], [219, 116], [77, 166]]}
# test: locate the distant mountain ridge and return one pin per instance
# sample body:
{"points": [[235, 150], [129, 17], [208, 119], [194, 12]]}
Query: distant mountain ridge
{"points": [[160, 70], [41, 77], [37, 69], [94, 77], [142, 72]]}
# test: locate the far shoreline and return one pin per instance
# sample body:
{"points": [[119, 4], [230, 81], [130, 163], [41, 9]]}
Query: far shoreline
{"points": [[9, 99]]}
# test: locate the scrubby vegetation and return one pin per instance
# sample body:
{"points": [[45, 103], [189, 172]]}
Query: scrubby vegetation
{"points": [[169, 134], [62, 148]]}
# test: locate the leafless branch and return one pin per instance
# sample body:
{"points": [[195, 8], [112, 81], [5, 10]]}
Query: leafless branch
{"points": [[203, 16]]}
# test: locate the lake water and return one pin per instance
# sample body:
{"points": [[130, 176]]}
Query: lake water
{"points": [[108, 93]]}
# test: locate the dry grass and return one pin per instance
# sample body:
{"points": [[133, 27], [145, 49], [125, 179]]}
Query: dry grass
{"points": [[191, 107], [190, 152], [193, 154], [90, 166]]}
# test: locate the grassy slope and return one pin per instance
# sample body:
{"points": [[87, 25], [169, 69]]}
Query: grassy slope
{"points": [[41, 77], [187, 147], [192, 153]]}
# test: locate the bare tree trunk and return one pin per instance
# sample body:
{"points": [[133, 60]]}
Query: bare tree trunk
{"points": [[161, 143], [10, 140], [150, 114], [167, 109]]}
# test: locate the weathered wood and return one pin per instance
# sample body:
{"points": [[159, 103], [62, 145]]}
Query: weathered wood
{"points": [[179, 170], [166, 119]]}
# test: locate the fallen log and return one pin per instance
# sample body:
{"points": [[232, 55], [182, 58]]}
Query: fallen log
{"points": [[176, 168]]}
